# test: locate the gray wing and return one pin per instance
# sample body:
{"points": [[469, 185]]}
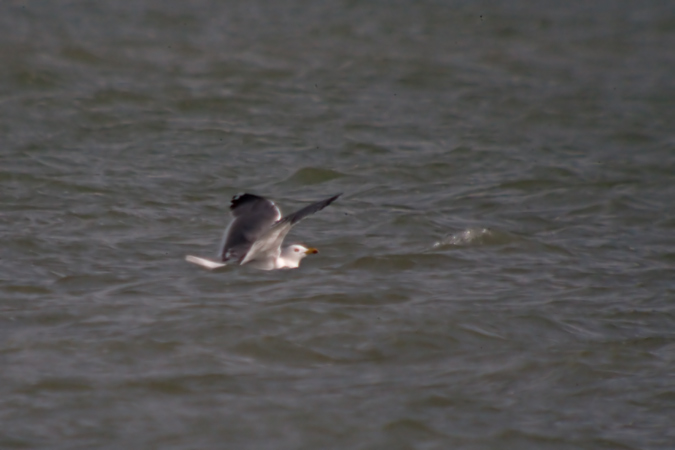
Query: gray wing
{"points": [[272, 239], [253, 217], [297, 216]]}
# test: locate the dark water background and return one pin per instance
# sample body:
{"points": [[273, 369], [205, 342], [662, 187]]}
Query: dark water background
{"points": [[499, 273]]}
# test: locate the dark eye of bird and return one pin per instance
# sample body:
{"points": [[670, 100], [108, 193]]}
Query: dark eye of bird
{"points": [[297, 249]]}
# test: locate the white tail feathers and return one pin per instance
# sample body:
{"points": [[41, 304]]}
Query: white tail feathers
{"points": [[206, 263]]}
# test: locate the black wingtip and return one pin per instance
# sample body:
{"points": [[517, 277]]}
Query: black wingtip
{"points": [[329, 200], [243, 198]]}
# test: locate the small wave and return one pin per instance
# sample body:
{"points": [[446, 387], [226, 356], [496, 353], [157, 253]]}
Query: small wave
{"points": [[313, 175], [466, 237]]}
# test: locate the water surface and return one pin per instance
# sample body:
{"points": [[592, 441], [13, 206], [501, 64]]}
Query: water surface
{"points": [[498, 273]]}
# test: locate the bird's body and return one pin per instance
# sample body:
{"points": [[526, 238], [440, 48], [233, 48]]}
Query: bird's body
{"points": [[255, 235]]}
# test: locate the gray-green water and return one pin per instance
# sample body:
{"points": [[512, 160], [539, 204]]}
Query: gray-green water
{"points": [[497, 275]]}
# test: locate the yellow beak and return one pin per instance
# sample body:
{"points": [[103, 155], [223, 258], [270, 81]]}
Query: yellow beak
{"points": [[311, 250]]}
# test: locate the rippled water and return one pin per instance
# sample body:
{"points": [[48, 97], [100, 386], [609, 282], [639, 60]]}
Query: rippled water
{"points": [[498, 273]]}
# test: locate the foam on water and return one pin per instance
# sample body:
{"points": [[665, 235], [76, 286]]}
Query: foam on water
{"points": [[466, 237]]}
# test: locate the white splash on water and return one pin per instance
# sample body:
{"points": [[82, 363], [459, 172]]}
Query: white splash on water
{"points": [[463, 238]]}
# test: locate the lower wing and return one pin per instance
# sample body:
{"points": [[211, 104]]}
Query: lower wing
{"points": [[206, 263]]}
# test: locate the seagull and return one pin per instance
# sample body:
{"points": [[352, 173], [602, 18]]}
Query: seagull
{"points": [[255, 235]]}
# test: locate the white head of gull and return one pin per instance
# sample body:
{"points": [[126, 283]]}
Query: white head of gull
{"points": [[255, 235]]}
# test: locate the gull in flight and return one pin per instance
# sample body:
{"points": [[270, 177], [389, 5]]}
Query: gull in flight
{"points": [[255, 235]]}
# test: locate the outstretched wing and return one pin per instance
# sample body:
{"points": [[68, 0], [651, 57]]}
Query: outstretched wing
{"points": [[271, 240], [307, 210], [253, 217]]}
